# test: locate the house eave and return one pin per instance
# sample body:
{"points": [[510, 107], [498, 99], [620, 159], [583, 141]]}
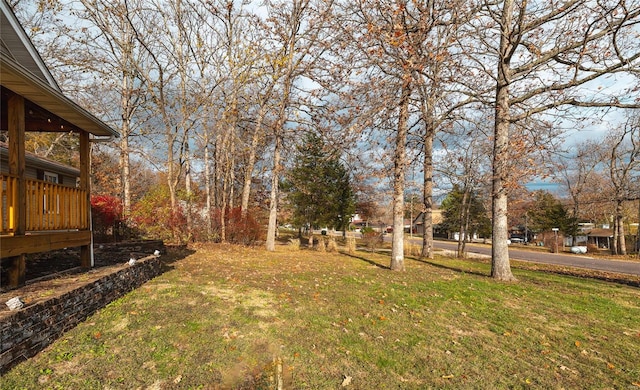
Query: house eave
{"points": [[22, 82]]}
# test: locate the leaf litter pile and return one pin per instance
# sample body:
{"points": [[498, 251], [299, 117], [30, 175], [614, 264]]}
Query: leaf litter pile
{"points": [[229, 317]]}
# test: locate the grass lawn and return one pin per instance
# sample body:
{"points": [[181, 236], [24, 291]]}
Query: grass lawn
{"points": [[232, 317]]}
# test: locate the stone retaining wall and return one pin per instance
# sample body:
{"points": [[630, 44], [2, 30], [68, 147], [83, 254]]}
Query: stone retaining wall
{"points": [[29, 330], [109, 253]]}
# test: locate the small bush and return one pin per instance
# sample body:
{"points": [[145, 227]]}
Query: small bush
{"points": [[322, 246], [294, 244], [332, 245], [411, 249], [240, 230], [351, 245], [372, 240], [367, 229], [153, 217], [106, 217]]}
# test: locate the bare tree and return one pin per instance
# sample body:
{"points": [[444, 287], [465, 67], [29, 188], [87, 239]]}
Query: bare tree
{"points": [[115, 51], [406, 49], [546, 55], [101, 43], [622, 160], [575, 170], [467, 154], [295, 45], [172, 87]]}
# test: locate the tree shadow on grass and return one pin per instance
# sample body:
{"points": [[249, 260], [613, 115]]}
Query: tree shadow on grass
{"points": [[449, 267], [174, 254], [366, 260], [629, 280]]}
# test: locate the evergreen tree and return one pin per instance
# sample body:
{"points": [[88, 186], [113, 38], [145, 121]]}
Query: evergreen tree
{"points": [[461, 212], [319, 187], [549, 213]]}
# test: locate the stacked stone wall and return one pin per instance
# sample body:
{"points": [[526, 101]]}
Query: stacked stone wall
{"points": [[27, 331]]}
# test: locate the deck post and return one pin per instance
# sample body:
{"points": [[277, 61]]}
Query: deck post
{"points": [[16, 130], [85, 171]]}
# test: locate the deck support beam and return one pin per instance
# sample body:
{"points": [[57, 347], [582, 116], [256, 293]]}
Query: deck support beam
{"points": [[17, 164], [86, 258]]}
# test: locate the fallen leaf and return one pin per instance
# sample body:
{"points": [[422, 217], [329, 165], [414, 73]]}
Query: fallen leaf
{"points": [[610, 366], [578, 344]]}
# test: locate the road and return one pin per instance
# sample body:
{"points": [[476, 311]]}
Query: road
{"points": [[569, 260], [579, 261]]}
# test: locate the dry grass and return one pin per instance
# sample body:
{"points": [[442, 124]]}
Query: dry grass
{"points": [[231, 317]]}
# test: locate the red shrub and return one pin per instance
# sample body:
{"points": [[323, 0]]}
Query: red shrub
{"points": [[106, 210], [237, 230], [106, 217]]}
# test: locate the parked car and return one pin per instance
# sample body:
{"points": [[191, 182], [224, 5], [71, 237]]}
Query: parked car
{"points": [[517, 239]]}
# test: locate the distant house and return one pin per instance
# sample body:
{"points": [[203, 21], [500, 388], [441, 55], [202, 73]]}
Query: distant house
{"points": [[602, 238], [38, 168], [357, 222], [437, 219], [44, 205]]}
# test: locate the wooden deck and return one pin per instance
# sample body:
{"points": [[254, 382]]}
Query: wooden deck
{"points": [[49, 206]]}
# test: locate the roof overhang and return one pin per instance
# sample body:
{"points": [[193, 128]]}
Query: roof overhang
{"points": [[22, 82]]}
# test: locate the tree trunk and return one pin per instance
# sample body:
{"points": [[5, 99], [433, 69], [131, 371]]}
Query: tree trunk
{"points": [[461, 222], [207, 185], [232, 176], [500, 266], [248, 173], [217, 168], [125, 166], [613, 246], [125, 170], [226, 168], [466, 225], [188, 190], [399, 163], [427, 189], [273, 200], [172, 180], [622, 242]]}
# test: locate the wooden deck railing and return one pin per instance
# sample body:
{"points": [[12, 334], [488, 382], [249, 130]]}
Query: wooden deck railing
{"points": [[50, 206], [8, 200]]}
